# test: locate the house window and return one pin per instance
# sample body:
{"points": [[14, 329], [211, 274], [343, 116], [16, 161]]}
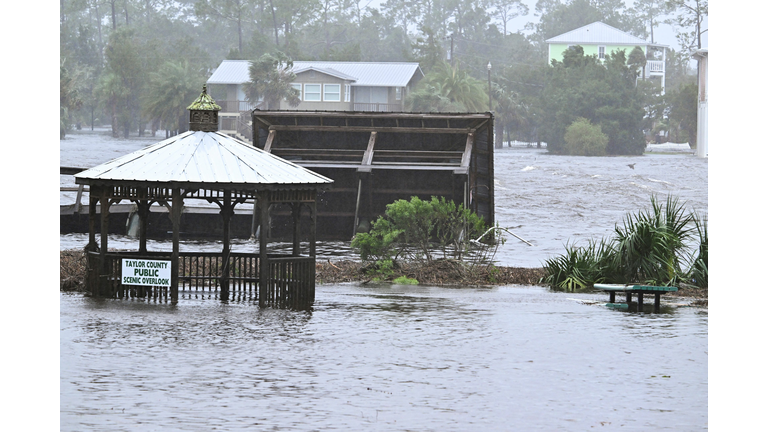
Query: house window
{"points": [[398, 93], [332, 92], [312, 92], [297, 87], [601, 52], [347, 92]]}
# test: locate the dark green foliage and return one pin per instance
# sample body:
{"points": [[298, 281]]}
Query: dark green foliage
{"points": [[650, 247], [683, 114], [603, 93]]}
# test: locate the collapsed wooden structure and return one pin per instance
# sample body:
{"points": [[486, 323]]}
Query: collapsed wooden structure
{"points": [[206, 165], [376, 158]]}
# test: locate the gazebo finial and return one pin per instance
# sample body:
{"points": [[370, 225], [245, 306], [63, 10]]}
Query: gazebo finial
{"points": [[203, 113]]}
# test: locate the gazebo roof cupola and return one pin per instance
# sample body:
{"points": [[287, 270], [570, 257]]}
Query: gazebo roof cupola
{"points": [[203, 113]]}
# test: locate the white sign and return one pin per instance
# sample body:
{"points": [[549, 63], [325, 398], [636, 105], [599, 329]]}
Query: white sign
{"points": [[146, 272]]}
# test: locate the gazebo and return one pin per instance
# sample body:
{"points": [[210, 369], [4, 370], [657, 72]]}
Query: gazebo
{"points": [[203, 164]]}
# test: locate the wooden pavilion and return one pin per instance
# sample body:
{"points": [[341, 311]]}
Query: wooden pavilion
{"points": [[206, 165]]}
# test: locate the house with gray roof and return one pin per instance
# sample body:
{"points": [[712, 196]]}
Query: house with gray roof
{"points": [[326, 86], [322, 85], [600, 39]]}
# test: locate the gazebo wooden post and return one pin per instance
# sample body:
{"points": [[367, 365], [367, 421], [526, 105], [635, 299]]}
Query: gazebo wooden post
{"points": [[93, 268], [226, 215], [263, 260], [313, 228], [143, 206], [296, 213], [103, 265], [177, 203]]}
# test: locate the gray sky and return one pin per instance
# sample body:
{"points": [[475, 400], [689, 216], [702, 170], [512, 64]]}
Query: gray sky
{"points": [[663, 34]]}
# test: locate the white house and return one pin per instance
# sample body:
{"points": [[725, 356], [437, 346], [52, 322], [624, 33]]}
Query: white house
{"points": [[600, 39]]}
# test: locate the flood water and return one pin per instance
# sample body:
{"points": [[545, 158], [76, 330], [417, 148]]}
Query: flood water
{"points": [[547, 200], [405, 358]]}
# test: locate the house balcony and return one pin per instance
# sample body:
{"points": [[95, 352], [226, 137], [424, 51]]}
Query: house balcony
{"points": [[377, 107], [654, 67], [235, 106]]}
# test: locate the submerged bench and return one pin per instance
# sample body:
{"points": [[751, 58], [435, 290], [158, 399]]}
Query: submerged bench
{"points": [[657, 291]]}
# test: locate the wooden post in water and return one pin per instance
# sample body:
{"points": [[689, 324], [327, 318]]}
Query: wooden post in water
{"points": [[143, 206], [296, 213], [103, 265], [177, 203], [263, 260], [226, 215]]}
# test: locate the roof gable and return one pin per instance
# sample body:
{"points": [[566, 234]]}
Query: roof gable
{"points": [[370, 74], [597, 33], [326, 71]]}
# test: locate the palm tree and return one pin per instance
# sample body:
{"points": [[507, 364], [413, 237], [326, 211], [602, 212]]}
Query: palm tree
{"points": [[171, 89], [459, 87], [271, 78], [112, 93]]}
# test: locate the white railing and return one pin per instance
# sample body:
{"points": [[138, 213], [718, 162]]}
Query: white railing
{"points": [[655, 66]]}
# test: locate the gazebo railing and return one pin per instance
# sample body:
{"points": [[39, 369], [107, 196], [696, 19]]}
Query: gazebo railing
{"points": [[291, 280]]}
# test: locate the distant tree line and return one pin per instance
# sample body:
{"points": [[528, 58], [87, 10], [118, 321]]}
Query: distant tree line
{"points": [[135, 65]]}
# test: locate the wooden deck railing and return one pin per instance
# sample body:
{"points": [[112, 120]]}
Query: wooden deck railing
{"points": [[291, 280]]}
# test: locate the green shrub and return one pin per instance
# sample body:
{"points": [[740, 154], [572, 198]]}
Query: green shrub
{"points": [[415, 229], [405, 280], [582, 138]]}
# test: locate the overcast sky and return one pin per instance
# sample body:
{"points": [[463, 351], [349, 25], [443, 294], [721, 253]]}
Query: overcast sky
{"points": [[663, 34]]}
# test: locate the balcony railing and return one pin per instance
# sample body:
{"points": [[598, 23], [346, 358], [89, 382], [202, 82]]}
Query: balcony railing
{"points": [[655, 66], [236, 106], [377, 107]]}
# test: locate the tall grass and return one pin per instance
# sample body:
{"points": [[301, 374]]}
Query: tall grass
{"points": [[649, 247]]}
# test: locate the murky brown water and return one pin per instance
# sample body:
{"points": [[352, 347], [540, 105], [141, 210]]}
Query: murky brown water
{"points": [[400, 358]]}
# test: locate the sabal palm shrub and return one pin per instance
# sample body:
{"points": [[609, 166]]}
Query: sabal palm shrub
{"points": [[699, 273], [650, 243], [650, 247], [581, 267]]}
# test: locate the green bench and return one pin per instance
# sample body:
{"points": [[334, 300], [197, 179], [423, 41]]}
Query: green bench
{"points": [[657, 291]]}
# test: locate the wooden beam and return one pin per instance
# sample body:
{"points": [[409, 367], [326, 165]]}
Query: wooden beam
{"points": [[467, 156], [270, 139], [261, 116], [368, 155], [371, 129]]}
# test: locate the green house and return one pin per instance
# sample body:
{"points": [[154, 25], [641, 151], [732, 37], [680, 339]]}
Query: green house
{"points": [[600, 39]]}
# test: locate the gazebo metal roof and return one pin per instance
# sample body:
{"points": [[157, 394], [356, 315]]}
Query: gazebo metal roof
{"points": [[204, 159]]}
